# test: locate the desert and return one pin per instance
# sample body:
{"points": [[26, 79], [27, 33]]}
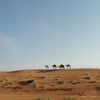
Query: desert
{"points": [[50, 84], [49, 49]]}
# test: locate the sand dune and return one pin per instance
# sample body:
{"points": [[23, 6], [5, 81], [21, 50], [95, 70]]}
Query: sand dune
{"points": [[83, 84]]}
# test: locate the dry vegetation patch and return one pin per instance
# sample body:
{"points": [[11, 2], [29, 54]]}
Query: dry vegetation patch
{"points": [[69, 98], [87, 78], [82, 94], [93, 82], [97, 88], [26, 82], [60, 82]]}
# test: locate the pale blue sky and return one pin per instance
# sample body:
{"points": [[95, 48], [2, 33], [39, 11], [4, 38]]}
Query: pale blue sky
{"points": [[38, 32]]}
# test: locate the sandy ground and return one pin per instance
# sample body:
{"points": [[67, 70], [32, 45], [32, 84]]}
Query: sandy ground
{"points": [[81, 84]]}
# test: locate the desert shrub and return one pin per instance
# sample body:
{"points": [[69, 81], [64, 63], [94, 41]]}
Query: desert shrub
{"points": [[60, 82], [9, 83], [42, 98], [75, 83], [17, 87], [56, 79], [82, 94], [70, 81], [97, 88], [1, 80], [93, 82], [53, 85], [26, 82], [87, 78], [30, 81], [68, 89], [42, 77], [49, 88], [69, 98]]}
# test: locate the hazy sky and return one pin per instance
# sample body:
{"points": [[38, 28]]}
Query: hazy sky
{"points": [[38, 32]]}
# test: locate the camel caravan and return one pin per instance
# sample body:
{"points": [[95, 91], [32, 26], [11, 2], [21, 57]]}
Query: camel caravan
{"points": [[60, 66]]}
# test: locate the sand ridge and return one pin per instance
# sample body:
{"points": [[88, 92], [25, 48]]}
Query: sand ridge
{"points": [[28, 84]]}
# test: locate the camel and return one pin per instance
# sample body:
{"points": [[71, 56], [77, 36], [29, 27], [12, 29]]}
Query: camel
{"points": [[68, 65], [54, 66], [61, 66], [47, 67]]}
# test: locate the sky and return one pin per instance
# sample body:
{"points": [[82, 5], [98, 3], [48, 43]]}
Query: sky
{"points": [[35, 33]]}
